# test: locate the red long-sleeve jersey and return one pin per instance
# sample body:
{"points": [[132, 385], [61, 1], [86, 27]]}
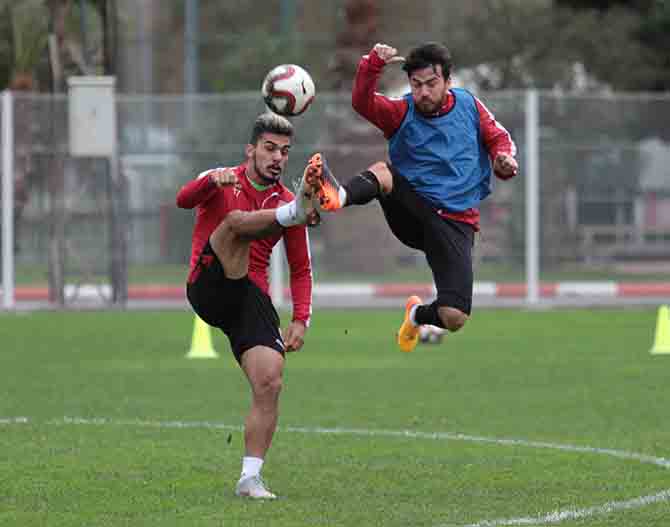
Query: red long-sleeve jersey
{"points": [[213, 203], [387, 114]]}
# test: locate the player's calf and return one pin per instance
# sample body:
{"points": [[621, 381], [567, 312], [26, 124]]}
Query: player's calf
{"points": [[243, 226], [446, 317], [451, 318]]}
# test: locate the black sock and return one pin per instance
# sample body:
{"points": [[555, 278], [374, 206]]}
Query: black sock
{"points": [[362, 189], [427, 314]]}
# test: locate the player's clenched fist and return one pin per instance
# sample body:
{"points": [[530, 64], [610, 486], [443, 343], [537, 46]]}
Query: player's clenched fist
{"points": [[222, 176], [387, 53], [505, 165]]}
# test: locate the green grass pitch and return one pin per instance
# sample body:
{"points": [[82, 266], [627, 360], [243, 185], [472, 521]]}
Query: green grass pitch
{"points": [[368, 435]]}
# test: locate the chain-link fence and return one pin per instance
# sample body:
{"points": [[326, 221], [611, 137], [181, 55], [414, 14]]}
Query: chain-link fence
{"points": [[604, 192]]}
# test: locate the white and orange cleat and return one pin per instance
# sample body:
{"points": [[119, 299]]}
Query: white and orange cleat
{"points": [[327, 187], [306, 194], [408, 334]]}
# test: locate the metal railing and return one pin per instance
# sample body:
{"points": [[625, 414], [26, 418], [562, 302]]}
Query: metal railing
{"points": [[591, 202]]}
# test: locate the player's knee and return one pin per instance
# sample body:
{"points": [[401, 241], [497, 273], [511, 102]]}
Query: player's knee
{"points": [[268, 385], [226, 233], [233, 221], [383, 175], [453, 319]]}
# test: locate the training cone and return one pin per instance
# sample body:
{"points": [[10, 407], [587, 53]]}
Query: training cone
{"points": [[662, 338], [201, 342]]}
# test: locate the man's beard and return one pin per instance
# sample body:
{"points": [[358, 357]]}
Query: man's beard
{"points": [[269, 179], [431, 109]]}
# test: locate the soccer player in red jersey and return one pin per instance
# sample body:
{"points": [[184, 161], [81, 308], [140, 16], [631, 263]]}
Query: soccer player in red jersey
{"points": [[444, 144], [241, 213]]}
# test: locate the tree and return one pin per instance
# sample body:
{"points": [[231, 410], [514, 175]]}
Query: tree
{"points": [[648, 33], [24, 43], [524, 44], [604, 5], [654, 34]]}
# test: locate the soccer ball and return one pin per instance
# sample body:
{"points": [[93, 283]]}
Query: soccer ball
{"points": [[288, 90], [429, 334]]}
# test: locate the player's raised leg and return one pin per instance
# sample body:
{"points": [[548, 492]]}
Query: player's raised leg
{"points": [[232, 237]]}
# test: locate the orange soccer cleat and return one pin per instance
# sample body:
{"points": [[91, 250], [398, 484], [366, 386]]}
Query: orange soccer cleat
{"points": [[408, 334], [327, 187]]}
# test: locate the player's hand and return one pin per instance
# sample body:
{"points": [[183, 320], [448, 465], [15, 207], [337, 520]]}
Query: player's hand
{"points": [[387, 53], [223, 176], [313, 218], [294, 336], [505, 165]]}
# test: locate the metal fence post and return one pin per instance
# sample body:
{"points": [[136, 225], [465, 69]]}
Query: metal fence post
{"points": [[532, 198], [8, 200], [191, 59]]}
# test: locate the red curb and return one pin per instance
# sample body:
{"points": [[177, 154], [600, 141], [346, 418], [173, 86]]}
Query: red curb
{"points": [[386, 290], [28, 293], [516, 290], [643, 289], [153, 292]]}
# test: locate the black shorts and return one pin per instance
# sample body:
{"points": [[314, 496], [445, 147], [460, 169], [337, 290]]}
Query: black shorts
{"points": [[238, 307], [446, 243]]}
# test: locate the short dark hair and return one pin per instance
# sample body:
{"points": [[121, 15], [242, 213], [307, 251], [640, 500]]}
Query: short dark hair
{"points": [[427, 55], [272, 123]]}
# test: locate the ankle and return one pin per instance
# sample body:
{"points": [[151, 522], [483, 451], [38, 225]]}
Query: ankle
{"points": [[251, 466], [287, 215]]}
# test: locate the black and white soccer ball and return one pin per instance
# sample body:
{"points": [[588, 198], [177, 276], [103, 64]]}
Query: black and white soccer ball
{"points": [[429, 334], [288, 90]]}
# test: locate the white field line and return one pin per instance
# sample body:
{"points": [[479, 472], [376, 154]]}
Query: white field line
{"points": [[14, 421], [578, 514], [554, 517]]}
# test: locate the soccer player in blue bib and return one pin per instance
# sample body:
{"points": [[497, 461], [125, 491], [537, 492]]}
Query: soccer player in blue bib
{"points": [[444, 145]]}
